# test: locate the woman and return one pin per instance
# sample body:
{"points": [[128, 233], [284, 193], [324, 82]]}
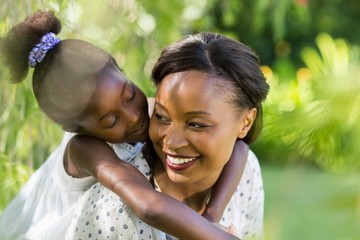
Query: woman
{"points": [[210, 90]]}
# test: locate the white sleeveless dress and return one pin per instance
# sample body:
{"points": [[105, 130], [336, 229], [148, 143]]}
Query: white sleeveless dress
{"points": [[44, 207]]}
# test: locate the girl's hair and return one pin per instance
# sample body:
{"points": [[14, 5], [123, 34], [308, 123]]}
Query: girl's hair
{"points": [[235, 63], [64, 80]]}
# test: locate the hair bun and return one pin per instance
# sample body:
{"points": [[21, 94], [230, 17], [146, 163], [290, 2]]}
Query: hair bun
{"points": [[22, 38]]}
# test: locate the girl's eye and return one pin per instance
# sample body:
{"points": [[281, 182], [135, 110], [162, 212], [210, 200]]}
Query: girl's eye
{"points": [[132, 96], [115, 121]]}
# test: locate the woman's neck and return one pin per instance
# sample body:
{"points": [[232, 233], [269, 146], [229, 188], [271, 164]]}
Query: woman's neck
{"points": [[194, 195]]}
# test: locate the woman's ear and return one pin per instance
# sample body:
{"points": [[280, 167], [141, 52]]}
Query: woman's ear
{"points": [[246, 122]]}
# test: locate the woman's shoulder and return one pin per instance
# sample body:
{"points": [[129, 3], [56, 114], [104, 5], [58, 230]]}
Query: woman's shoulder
{"points": [[252, 173], [253, 161], [251, 183], [142, 165], [126, 151], [245, 209]]}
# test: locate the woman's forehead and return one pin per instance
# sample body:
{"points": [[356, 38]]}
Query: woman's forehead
{"points": [[198, 83], [192, 87]]}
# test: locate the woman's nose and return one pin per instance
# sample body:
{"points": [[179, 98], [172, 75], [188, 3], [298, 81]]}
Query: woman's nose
{"points": [[174, 138]]}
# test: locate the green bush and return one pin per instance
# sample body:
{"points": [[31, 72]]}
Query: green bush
{"points": [[316, 115], [12, 177]]}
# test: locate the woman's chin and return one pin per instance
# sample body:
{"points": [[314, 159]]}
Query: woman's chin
{"points": [[176, 177]]}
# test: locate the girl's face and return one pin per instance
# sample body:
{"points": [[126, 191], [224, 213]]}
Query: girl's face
{"points": [[194, 126], [117, 111]]}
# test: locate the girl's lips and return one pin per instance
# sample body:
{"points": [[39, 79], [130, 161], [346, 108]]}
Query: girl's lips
{"points": [[180, 163], [140, 128], [142, 123]]}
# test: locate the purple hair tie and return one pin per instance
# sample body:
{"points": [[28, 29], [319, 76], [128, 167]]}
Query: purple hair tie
{"points": [[37, 54]]}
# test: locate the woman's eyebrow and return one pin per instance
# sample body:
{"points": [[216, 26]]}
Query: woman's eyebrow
{"points": [[196, 112], [159, 105]]}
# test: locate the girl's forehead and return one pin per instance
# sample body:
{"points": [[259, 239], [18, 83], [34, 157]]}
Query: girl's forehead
{"points": [[111, 73]]}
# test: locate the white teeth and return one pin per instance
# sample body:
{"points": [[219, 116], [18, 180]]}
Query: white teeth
{"points": [[179, 160]]}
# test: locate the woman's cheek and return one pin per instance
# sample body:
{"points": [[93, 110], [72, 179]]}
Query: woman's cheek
{"points": [[156, 131], [152, 129]]}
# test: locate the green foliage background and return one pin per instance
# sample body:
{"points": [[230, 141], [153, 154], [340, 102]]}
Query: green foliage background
{"points": [[310, 55]]}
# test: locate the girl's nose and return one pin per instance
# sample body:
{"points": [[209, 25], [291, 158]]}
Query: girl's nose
{"points": [[132, 116]]}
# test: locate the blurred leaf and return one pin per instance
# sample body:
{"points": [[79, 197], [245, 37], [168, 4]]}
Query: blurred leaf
{"points": [[318, 113]]}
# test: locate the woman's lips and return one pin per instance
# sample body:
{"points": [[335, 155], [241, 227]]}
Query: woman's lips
{"points": [[180, 163]]}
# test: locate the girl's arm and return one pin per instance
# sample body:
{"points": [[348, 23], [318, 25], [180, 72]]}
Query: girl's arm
{"points": [[227, 183], [95, 157]]}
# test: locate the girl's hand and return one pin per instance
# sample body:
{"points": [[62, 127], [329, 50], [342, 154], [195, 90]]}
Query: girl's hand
{"points": [[231, 229]]}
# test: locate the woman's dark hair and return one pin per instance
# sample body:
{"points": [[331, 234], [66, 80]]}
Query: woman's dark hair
{"points": [[235, 63], [64, 80]]}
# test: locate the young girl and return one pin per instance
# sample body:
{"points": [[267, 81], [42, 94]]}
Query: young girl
{"points": [[81, 88]]}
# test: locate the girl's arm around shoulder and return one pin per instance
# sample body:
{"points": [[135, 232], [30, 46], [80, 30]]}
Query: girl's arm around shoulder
{"points": [[227, 183], [95, 157]]}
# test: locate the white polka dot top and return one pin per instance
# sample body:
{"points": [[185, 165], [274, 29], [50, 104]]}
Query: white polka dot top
{"points": [[103, 215]]}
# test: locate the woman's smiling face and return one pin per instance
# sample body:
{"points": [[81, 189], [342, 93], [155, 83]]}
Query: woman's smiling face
{"points": [[194, 126]]}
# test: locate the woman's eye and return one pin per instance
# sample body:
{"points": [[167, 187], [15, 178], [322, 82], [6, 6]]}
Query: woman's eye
{"points": [[197, 125], [161, 118]]}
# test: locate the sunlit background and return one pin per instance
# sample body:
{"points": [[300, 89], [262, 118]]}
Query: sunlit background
{"points": [[310, 146]]}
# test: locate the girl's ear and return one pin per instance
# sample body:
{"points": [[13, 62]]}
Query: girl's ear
{"points": [[246, 122]]}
